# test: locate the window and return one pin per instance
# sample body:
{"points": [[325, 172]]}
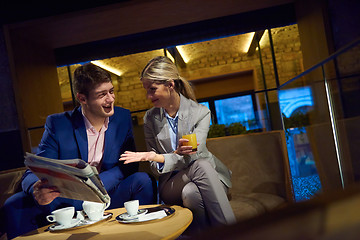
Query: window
{"points": [[236, 109], [231, 109], [206, 104]]}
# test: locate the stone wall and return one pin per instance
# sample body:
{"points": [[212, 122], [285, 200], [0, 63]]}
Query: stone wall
{"points": [[131, 95]]}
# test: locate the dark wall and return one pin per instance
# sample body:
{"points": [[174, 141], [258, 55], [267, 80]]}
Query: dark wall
{"points": [[182, 34], [345, 21], [10, 137]]}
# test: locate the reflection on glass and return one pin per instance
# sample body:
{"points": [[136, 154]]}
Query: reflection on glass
{"points": [[295, 100], [237, 109], [296, 104]]}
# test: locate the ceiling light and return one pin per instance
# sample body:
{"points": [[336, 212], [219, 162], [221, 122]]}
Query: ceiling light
{"points": [[115, 71]]}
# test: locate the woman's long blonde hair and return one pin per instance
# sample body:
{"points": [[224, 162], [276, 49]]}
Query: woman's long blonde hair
{"points": [[161, 70]]}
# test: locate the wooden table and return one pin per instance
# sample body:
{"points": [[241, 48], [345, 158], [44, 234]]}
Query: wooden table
{"points": [[168, 228]]}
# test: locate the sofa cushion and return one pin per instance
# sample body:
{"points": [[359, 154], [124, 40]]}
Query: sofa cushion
{"points": [[269, 201], [257, 162], [260, 171], [246, 206]]}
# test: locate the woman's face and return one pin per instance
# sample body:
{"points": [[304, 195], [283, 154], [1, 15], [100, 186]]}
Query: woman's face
{"points": [[159, 94]]}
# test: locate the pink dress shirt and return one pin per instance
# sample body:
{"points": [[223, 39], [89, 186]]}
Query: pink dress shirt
{"points": [[95, 142]]}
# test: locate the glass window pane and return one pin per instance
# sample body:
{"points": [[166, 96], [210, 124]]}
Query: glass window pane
{"points": [[237, 109], [296, 104], [206, 104]]}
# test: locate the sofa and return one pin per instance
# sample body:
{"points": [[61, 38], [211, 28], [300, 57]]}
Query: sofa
{"points": [[10, 183], [260, 171]]}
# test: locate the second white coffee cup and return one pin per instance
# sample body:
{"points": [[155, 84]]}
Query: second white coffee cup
{"points": [[94, 210], [62, 216], [132, 207]]}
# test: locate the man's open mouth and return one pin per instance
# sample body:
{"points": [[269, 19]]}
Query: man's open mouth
{"points": [[109, 108]]}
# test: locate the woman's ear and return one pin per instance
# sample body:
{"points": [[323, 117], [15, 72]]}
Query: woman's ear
{"points": [[171, 84]]}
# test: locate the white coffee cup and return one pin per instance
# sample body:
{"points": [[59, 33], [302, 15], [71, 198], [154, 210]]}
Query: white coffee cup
{"points": [[132, 207], [94, 210], [63, 216]]}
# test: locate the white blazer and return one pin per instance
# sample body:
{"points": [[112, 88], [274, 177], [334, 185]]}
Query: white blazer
{"points": [[190, 115]]}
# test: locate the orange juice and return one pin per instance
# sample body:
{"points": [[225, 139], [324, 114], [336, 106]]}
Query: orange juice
{"points": [[192, 141]]}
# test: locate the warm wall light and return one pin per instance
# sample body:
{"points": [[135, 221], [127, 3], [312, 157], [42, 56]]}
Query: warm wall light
{"points": [[168, 54], [183, 53], [256, 39], [264, 38], [247, 41], [107, 67]]}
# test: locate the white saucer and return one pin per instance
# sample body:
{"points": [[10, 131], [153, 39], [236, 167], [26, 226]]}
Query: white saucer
{"points": [[57, 226], [125, 216], [87, 221]]}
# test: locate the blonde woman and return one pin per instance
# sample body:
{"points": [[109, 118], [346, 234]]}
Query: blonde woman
{"points": [[196, 180]]}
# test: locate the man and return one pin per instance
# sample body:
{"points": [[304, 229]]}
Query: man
{"points": [[96, 132]]}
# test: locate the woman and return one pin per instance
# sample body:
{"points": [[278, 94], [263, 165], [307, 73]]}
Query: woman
{"points": [[196, 180]]}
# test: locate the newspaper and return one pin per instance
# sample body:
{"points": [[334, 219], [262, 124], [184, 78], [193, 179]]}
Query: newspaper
{"points": [[75, 178]]}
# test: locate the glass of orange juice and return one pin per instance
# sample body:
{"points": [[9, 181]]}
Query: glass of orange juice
{"points": [[192, 141]]}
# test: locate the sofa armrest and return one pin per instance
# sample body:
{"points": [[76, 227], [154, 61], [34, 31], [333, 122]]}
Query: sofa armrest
{"points": [[10, 183]]}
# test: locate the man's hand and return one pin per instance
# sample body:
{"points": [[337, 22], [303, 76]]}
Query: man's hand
{"points": [[43, 193]]}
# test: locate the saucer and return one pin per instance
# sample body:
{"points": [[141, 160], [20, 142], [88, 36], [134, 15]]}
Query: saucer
{"points": [[125, 216], [150, 214], [56, 227], [87, 221]]}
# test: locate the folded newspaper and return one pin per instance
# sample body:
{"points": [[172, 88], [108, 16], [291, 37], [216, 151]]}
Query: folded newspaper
{"points": [[75, 178]]}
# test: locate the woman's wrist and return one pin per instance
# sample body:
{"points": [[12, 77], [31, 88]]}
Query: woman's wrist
{"points": [[156, 157]]}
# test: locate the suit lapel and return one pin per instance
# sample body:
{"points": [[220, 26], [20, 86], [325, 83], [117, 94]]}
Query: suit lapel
{"points": [[80, 133], [163, 125], [163, 135], [109, 135], [184, 123]]}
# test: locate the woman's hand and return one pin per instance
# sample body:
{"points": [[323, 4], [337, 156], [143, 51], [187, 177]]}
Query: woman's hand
{"points": [[184, 150], [130, 157], [43, 193]]}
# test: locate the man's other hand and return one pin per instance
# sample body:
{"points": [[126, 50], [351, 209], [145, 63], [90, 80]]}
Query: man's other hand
{"points": [[43, 193]]}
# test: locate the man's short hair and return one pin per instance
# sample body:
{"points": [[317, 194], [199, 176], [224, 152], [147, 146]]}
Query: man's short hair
{"points": [[88, 77]]}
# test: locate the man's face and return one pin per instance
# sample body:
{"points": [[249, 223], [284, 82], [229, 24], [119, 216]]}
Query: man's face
{"points": [[100, 102]]}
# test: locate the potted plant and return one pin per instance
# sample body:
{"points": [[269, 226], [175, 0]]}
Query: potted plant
{"points": [[236, 129], [217, 130]]}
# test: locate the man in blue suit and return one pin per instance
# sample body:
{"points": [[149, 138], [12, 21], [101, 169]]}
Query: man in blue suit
{"points": [[96, 132]]}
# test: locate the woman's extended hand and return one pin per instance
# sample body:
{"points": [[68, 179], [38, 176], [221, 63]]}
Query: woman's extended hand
{"points": [[184, 150], [130, 157]]}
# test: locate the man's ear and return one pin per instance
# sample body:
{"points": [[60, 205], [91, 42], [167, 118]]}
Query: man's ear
{"points": [[81, 97]]}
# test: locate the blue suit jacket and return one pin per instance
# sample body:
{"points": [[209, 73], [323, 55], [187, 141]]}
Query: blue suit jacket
{"points": [[65, 138]]}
